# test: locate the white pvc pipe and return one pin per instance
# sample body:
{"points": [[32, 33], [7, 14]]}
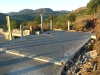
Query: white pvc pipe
{"points": [[68, 25], [41, 23]]}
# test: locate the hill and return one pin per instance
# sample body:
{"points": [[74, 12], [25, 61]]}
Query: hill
{"points": [[43, 10], [29, 14], [81, 22], [25, 11], [37, 11], [12, 13], [79, 9], [2, 18]]}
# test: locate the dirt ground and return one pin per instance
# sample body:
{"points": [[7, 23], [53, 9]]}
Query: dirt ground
{"points": [[96, 47]]}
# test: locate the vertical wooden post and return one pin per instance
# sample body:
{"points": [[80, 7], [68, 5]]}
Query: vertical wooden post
{"points": [[9, 27], [21, 30], [50, 24]]}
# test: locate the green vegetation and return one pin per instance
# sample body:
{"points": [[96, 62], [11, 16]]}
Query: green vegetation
{"points": [[29, 14], [32, 19], [38, 20], [14, 24], [2, 19], [93, 6], [58, 22], [72, 17], [29, 17]]}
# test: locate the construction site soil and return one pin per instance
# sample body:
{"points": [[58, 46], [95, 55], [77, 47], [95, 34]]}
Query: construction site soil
{"points": [[96, 45]]}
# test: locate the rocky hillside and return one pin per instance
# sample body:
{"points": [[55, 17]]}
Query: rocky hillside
{"points": [[81, 22], [96, 46]]}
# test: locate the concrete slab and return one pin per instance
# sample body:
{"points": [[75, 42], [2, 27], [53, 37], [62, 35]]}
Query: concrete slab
{"points": [[15, 65], [54, 48]]}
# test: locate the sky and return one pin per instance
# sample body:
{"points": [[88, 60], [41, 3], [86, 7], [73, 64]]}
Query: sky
{"points": [[17, 5]]}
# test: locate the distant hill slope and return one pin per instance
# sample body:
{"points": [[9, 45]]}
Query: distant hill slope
{"points": [[37, 11], [78, 9], [25, 11], [12, 13], [2, 18], [29, 14], [43, 10]]}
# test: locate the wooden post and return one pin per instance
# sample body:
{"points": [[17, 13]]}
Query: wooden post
{"points": [[21, 30], [50, 24], [9, 27]]}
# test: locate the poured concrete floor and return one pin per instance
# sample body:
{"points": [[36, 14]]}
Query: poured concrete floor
{"points": [[54, 45], [2, 39]]}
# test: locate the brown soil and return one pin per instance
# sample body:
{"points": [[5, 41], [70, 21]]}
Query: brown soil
{"points": [[96, 45]]}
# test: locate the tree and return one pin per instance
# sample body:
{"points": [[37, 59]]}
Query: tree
{"points": [[61, 22], [38, 20], [14, 24], [72, 17], [24, 23], [3, 26], [93, 6]]}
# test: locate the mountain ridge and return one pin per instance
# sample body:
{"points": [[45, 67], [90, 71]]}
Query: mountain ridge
{"points": [[31, 11], [30, 14], [2, 18]]}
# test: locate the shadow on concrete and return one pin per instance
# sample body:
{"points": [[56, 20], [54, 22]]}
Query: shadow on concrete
{"points": [[23, 71]]}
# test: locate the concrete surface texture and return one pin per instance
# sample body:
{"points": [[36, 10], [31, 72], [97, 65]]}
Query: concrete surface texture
{"points": [[15, 65], [2, 39], [51, 47]]}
